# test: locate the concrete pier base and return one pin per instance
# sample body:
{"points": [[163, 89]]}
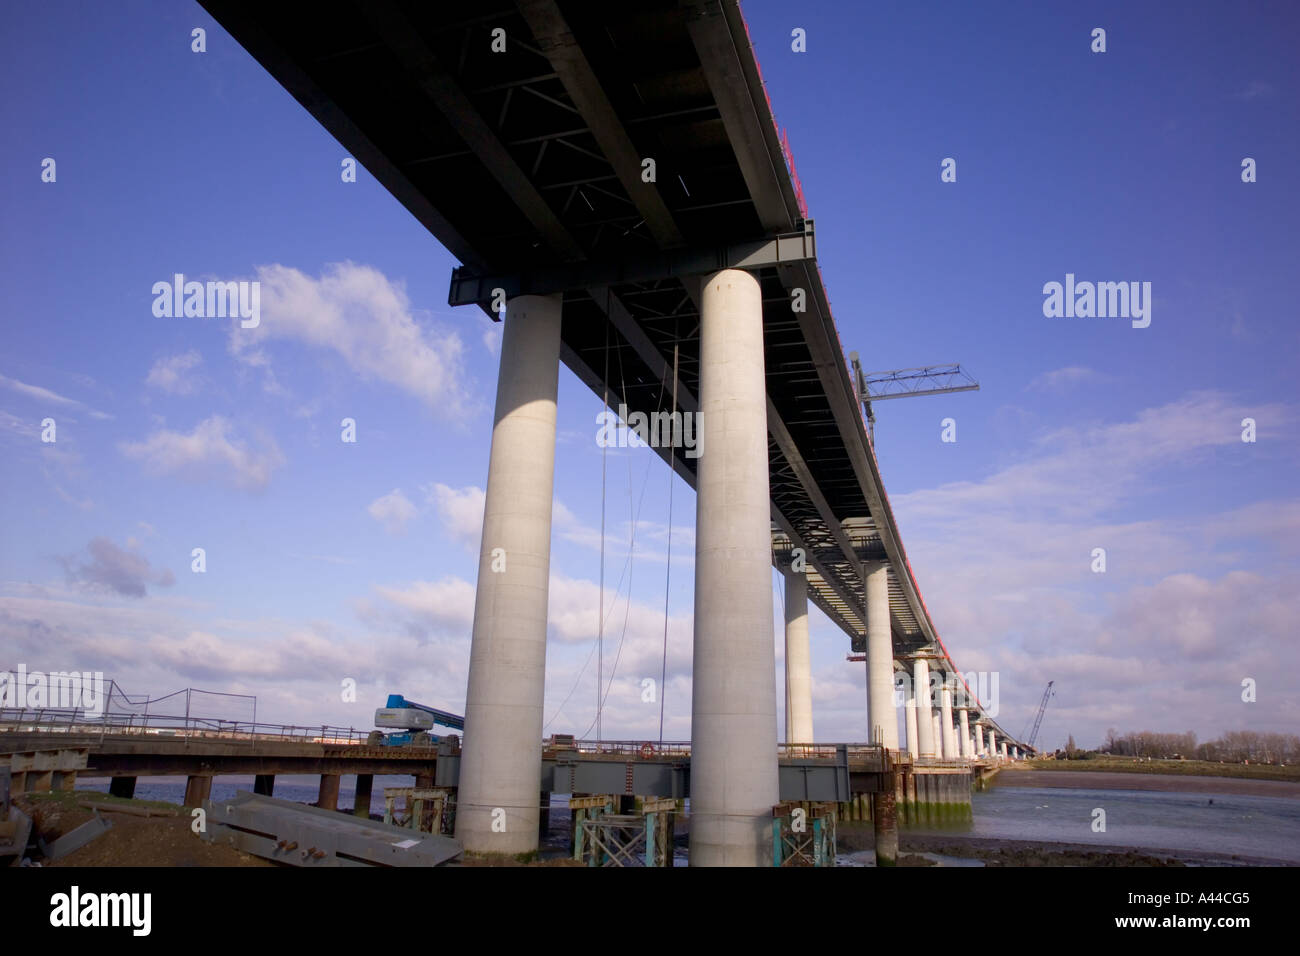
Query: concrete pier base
{"points": [[938, 798], [885, 824]]}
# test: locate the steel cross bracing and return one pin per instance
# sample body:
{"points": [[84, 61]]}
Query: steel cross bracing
{"points": [[528, 160]]}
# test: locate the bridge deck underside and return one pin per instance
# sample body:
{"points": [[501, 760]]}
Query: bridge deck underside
{"points": [[529, 159]]}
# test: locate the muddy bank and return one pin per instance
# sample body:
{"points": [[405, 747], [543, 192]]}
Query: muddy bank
{"points": [[993, 851], [1166, 783]]}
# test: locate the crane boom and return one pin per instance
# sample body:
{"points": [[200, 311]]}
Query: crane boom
{"points": [[907, 383], [446, 718], [1042, 706]]}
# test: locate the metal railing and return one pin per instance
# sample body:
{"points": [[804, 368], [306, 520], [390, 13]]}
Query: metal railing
{"points": [[170, 726]]}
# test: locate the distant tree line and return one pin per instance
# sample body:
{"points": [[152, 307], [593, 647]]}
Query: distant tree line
{"points": [[1235, 746]]}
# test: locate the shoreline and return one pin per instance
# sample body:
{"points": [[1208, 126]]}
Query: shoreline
{"points": [[1002, 851], [997, 851], [1166, 783]]}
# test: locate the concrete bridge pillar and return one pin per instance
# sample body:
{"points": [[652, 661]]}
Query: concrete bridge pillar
{"points": [[328, 795], [880, 656], [734, 781], [122, 787], [945, 708], [979, 740], [965, 734], [936, 721], [924, 718], [993, 746], [1004, 750], [361, 797], [909, 714], [264, 784], [501, 753], [798, 666], [198, 788]]}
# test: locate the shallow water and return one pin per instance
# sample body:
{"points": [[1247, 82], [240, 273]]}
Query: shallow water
{"points": [[1252, 826]]}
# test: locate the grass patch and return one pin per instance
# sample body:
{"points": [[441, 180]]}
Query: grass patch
{"points": [[1192, 768], [68, 800]]}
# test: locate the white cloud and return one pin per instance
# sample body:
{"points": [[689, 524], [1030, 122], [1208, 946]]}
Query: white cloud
{"points": [[1005, 566], [294, 668], [393, 511], [422, 608], [171, 373], [47, 397], [84, 504], [12, 424], [124, 572], [210, 452], [461, 510], [1256, 89], [360, 315], [1063, 378]]}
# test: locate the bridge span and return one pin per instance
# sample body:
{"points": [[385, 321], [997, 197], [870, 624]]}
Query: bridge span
{"points": [[613, 177]]}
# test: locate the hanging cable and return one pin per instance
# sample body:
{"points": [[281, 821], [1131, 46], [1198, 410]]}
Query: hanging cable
{"points": [[604, 688], [668, 565], [634, 517], [600, 620]]}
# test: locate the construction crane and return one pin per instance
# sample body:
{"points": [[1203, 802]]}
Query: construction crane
{"points": [[1038, 719], [906, 383]]}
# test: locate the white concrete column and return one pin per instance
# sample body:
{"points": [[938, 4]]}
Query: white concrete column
{"points": [[880, 656], [733, 702], [921, 697], [909, 714], [798, 666], [993, 746], [979, 740], [1015, 753], [501, 756], [1004, 750], [965, 734], [936, 721], [945, 719]]}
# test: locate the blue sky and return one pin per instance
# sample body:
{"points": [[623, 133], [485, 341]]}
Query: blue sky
{"points": [[328, 560]]}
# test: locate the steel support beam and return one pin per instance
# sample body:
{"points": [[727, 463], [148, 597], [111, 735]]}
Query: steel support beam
{"points": [[469, 287], [716, 29], [419, 61], [556, 41]]}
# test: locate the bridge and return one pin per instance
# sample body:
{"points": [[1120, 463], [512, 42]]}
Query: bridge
{"points": [[611, 176]]}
